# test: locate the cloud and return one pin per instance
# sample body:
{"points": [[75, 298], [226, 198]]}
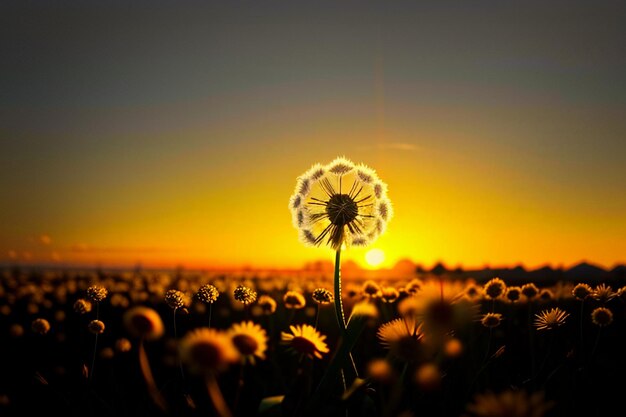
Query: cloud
{"points": [[399, 146]]}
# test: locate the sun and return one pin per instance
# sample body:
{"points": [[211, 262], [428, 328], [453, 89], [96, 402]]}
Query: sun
{"points": [[375, 257]]}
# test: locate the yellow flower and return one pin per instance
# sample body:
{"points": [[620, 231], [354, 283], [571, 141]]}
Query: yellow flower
{"points": [[491, 320], [249, 339], [494, 288], [550, 319], [340, 203], [143, 323], [267, 305], [305, 340], [402, 337], [582, 291], [207, 350], [294, 300]]}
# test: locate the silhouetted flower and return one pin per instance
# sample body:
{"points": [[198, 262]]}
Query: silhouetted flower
{"points": [[305, 340], [322, 296], [207, 294], [550, 319], [602, 316]]}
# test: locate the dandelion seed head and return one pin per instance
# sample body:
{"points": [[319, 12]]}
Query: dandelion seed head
{"points": [[97, 293], [207, 293], [174, 299], [336, 205], [245, 295], [322, 296]]}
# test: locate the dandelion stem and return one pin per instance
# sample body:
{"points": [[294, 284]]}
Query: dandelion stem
{"points": [[180, 363], [146, 372], [240, 383], [210, 313], [216, 396], [93, 357], [595, 344], [582, 310], [317, 315], [338, 302], [339, 306]]}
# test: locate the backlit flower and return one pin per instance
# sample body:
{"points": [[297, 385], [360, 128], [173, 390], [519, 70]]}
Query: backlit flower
{"points": [[491, 320], [581, 291], [402, 337], [550, 319], [97, 293], [340, 203], [175, 299], [207, 350], [602, 316], [40, 326], [249, 339], [305, 340], [143, 323], [96, 327], [494, 288], [294, 300]]}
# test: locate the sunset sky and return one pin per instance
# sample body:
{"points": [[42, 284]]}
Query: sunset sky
{"points": [[167, 133]]}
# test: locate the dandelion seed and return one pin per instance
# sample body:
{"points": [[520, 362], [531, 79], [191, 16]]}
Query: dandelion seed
{"points": [[322, 296], [602, 316], [305, 340], [207, 351], [340, 204], [250, 340], [550, 319]]}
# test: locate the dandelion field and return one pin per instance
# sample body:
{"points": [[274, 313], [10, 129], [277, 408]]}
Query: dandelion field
{"points": [[430, 345]]}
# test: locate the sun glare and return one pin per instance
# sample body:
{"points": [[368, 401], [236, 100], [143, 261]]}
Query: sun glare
{"points": [[375, 257]]}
